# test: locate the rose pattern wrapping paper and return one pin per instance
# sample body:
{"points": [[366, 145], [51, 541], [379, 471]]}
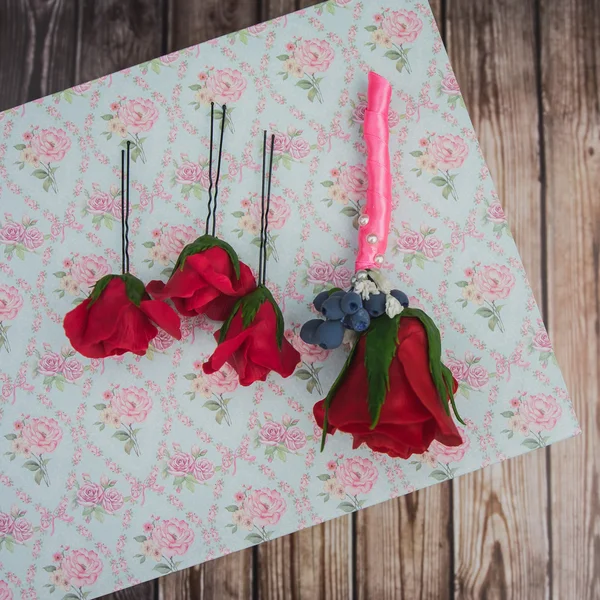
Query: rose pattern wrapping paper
{"points": [[119, 470]]}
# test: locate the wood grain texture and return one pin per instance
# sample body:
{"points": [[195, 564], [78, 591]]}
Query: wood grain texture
{"points": [[142, 591], [571, 87], [404, 547], [38, 37], [499, 511], [195, 21], [114, 34]]}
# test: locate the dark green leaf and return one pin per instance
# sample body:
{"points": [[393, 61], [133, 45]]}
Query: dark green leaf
{"points": [[206, 242], [99, 288], [134, 288], [380, 348]]}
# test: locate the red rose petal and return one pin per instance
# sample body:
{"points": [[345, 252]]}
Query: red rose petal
{"points": [[163, 315]]}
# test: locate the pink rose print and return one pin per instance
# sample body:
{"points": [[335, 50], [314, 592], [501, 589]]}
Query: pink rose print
{"points": [[541, 412], [59, 369], [355, 182], [42, 435], [213, 387], [173, 536], [81, 567], [226, 86], [192, 176], [294, 439], [175, 238], [265, 506], [309, 355], [112, 500], [342, 277], [484, 286], [320, 273], [87, 270], [72, 369], [458, 368], [163, 341], [225, 380], [394, 29], [22, 530], [89, 494], [169, 58], [189, 173], [418, 247], [541, 341], [124, 408], [180, 464], [203, 470], [256, 30], [450, 85], [5, 591], [104, 207], [495, 213], [50, 364], [477, 376], [495, 282], [81, 89], [442, 456], [271, 433], [281, 145], [6, 524], [305, 58], [99, 203], [11, 303], [249, 220], [138, 115], [469, 373], [357, 475], [299, 148], [448, 151], [20, 238]]}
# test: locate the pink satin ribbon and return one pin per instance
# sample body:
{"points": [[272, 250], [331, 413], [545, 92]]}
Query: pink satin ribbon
{"points": [[379, 194]]}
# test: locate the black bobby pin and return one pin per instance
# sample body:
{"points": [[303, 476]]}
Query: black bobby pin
{"points": [[264, 212], [210, 161], [214, 224], [125, 209]]}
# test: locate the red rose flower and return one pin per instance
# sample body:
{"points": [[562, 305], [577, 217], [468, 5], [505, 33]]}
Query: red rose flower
{"points": [[207, 279], [412, 415], [252, 341], [118, 317]]}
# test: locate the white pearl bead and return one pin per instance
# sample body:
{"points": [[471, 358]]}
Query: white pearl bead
{"points": [[361, 275], [363, 220], [379, 259], [372, 238]]}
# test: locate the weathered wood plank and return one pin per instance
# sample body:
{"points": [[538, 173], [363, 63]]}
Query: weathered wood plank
{"points": [[571, 86], [115, 34], [500, 510], [143, 591], [37, 40], [195, 21], [404, 547]]}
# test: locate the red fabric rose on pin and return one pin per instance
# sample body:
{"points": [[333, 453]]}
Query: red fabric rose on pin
{"points": [[208, 279], [412, 413], [252, 341], [118, 317]]}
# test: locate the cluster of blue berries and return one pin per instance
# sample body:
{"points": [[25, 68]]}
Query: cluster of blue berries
{"points": [[344, 310]]}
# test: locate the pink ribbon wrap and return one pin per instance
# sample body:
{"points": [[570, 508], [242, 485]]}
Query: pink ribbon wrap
{"points": [[378, 208]]}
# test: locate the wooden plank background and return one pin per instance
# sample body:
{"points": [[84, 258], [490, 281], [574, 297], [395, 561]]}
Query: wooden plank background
{"points": [[530, 73]]}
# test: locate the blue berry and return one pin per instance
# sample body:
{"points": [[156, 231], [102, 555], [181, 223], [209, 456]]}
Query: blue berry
{"points": [[351, 302], [401, 297], [330, 335], [309, 331], [360, 320], [332, 309], [375, 305], [347, 321], [318, 301]]}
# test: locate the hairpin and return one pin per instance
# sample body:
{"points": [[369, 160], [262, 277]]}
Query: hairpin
{"points": [[119, 316], [208, 276], [251, 340], [393, 393]]}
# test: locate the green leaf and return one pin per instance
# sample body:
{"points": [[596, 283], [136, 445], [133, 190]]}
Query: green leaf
{"points": [[371, 28], [303, 374], [416, 153], [238, 214], [206, 242], [128, 447], [232, 508], [100, 406], [134, 288], [254, 538], [107, 117], [46, 185], [305, 84], [50, 568], [70, 597], [99, 288], [283, 57], [10, 436], [40, 174], [324, 477], [392, 54], [212, 405], [312, 94], [438, 475], [349, 211], [446, 192], [140, 538], [507, 414], [439, 181], [327, 184], [346, 507], [531, 444], [334, 389], [380, 349], [492, 323], [190, 376], [31, 465], [38, 479], [462, 284], [162, 568], [148, 244], [122, 436], [330, 8]]}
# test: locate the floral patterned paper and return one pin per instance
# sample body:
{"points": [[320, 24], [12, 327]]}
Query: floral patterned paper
{"points": [[119, 470]]}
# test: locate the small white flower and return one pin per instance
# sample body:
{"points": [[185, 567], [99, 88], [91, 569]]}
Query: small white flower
{"points": [[380, 279], [365, 288], [392, 307]]}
